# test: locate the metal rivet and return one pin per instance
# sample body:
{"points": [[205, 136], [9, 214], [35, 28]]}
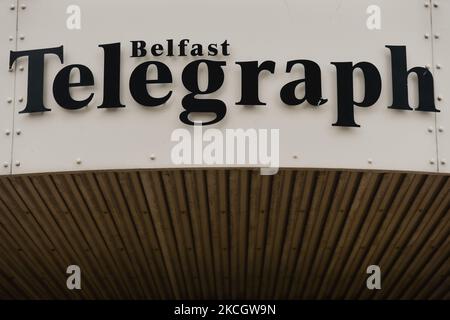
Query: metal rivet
{"points": [[9, 100], [438, 66], [439, 98], [152, 157], [436, 5], [23, 7], [11, 38], [17, 163], [295, 156], [443, 162], [21, 68], [426, 35], [21, 99], [12, 7], [369, 161], [428, 67], [78, 161], [5, 164], [22, 37], [436, 36], [431, 161], [7, 132], [18, 132], [426, 4], [430, 129], [441, 129]]}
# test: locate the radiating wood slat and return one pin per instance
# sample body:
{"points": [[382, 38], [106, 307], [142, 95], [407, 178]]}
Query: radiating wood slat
{"points": [[225, 234]]}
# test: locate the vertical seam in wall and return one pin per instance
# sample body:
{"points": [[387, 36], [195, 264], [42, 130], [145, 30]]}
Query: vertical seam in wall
{"points": [[433, 68], [14, 92]]}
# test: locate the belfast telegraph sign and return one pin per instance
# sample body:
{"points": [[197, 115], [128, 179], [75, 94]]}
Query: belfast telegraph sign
{"points": [[140, 85], [111, 95]]}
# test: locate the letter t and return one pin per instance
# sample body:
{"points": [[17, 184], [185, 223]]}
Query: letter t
{"points": [[35, 91]]}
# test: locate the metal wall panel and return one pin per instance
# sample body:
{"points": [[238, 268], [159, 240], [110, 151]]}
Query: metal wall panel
{"points": [[441, 45], [8, 18], [323, 31]]}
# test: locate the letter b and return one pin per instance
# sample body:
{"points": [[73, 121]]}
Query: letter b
{"points": [[138, 49]]}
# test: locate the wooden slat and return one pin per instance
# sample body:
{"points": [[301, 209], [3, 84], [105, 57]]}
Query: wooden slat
{"points": [[225, 234], [370, 225], [101, 229]]}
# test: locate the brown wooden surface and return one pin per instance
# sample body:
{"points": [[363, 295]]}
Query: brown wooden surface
{"points": [[225, 234]]}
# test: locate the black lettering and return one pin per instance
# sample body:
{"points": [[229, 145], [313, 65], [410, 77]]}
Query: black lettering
{"points": [[212, 49], [191, 103], [197, 50], [35, 91], [139, 82], [250, 81], [111, 77], [157, 50], [182, 45], [62, 85], [138, 49], [400, 75], [313, 85], [346, 103], [225, 45]]}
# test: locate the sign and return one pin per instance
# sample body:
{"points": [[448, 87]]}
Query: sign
{"points": [[110, 95], [250, 74]]}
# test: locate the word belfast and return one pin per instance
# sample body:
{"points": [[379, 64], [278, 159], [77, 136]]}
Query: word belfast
{"points": [[140, 85]]}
